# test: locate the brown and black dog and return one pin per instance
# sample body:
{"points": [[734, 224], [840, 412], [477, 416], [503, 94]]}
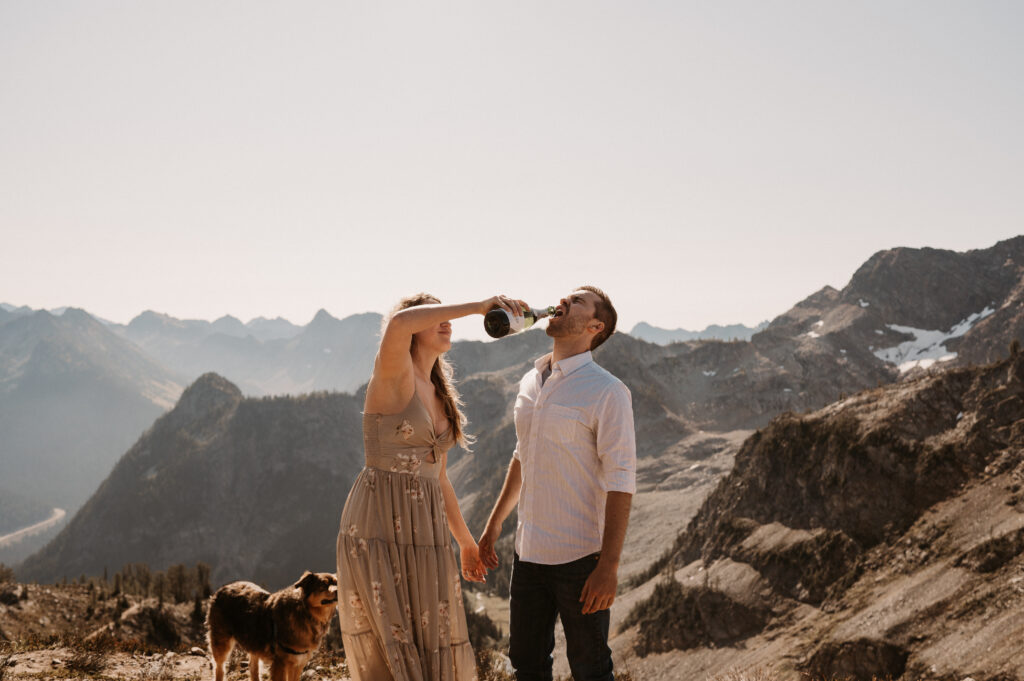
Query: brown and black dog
{"points": [[283, 628]]}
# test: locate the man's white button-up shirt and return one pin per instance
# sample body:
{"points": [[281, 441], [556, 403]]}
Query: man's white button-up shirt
{"points": [[576, 443]]}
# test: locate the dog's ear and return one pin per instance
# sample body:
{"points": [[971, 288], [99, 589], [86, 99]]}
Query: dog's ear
{"points": [[307, 582]]}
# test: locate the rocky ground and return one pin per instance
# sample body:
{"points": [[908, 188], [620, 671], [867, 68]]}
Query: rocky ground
{"points": [[81, 631], [63, 662], [882, 536], [76, 631]]}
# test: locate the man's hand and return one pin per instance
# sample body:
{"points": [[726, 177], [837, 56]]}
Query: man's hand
{"points": [[488, 556], [599, 590]]}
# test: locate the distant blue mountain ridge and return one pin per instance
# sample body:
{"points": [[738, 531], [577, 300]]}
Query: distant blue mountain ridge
{"points": [[654, 334]]}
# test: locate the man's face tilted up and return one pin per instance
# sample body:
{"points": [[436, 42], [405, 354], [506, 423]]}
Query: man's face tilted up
{"points": [[573, 315]]}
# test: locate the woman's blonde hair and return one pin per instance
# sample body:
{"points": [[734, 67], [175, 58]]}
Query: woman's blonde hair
{"points": [[440, 375]]}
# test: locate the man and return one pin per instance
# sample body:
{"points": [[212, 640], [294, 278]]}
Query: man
{"points": [[573, 475]]}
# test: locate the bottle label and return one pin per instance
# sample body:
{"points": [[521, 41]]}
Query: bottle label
{"points": [[516, 323]]}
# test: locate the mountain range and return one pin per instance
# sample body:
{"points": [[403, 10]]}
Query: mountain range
{"points": [[264, 357], [654, 334], [253, 486], [75, 391], [832, 344]]}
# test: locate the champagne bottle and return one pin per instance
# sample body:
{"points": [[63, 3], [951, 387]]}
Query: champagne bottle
{"points": [[498, 323]]}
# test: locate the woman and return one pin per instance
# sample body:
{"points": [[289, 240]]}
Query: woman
{"points": [[400, 597]]}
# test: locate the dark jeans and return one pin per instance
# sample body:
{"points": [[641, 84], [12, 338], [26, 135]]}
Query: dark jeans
{"points": [[539, 594]]}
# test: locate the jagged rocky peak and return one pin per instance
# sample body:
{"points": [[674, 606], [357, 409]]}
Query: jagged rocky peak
{"points": [[930, 288], [150, 320], [793, 321], [210, 393], [43, 317], [322, 317], [229, 325], [78, 315]]}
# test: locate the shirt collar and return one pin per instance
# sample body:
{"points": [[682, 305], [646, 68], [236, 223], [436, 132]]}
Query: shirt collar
{"points": [[567, 365]]}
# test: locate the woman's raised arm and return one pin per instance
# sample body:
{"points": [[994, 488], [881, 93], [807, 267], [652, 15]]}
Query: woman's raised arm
{"points": [[393, 358]]}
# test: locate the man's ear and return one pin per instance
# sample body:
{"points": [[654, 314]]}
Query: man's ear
{"points": [[596, 325]]}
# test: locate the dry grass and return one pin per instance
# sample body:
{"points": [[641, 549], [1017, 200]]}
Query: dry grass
{"points": [[87, 662], [5, 658], [103, 644]]}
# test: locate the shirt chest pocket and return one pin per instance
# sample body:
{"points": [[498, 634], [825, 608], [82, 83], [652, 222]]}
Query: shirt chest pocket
{"points": [[564, 425]]}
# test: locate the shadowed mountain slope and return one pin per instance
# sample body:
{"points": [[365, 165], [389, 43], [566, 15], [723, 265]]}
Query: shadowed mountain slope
{"points": [[253, 487]]}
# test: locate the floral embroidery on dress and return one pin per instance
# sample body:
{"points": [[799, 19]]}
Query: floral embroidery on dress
{"points": [[406, 463], [425, 620], [359, 544], [457, 583], [445, 619], [398, 633], [408, 614], [356, 603], [371, 479], [357, 547], [378, 596], [405, 429], [398, 525], [416, 492]]}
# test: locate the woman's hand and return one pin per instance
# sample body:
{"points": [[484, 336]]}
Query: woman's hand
{"points": [[472, 569], [510, 305]]}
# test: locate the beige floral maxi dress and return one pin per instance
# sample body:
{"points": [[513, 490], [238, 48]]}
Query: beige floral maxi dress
{"points": [[400, 594]]}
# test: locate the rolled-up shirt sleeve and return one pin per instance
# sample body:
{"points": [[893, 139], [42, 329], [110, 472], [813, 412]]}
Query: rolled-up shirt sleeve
{"points": [[616, 440]]}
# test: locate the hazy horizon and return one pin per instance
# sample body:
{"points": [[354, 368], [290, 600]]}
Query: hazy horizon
{"points": [[705, 164], [62, 308]]}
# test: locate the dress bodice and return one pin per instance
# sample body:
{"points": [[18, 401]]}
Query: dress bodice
{"points": [[405, 442]]}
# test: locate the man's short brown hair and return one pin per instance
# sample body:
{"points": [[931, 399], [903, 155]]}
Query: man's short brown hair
{"points": [[604, 312]]}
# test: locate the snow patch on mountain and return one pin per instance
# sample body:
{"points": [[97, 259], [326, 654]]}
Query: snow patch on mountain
{"points": [[928, 346]]}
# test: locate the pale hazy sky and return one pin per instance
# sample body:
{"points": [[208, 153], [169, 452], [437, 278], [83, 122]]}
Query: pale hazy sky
{"points": [[709, 162]]}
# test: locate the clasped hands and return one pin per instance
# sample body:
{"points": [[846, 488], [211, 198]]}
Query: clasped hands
{"points": [[598, 591]]}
